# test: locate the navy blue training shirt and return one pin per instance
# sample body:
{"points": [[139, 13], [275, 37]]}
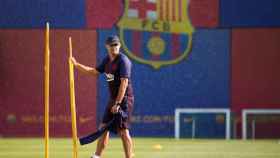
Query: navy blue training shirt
{"points": [[114, 70]]}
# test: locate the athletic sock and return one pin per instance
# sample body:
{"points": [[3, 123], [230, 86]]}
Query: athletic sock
{"points": [[95, 156]]}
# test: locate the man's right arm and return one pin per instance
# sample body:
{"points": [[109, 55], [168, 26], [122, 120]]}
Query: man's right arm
{"points": [[84, 68]]}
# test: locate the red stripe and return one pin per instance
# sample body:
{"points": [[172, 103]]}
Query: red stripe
{"points": [[161, 9], [136, 44], [174, 10], [175, 45], [180, 10], [167, 10]]}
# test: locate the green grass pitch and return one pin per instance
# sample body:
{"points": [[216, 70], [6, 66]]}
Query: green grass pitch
{"points": [[145, 148]]}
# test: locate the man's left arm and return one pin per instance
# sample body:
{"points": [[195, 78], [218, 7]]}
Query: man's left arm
{"points": [[122, 89], [121, 93]]}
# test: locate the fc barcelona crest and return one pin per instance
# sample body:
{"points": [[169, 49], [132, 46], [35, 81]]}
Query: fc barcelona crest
{"points": [[156, 32]]}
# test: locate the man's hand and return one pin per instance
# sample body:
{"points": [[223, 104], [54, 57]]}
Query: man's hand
{"points": [[73, 61], [86, 69], [115, 108]]}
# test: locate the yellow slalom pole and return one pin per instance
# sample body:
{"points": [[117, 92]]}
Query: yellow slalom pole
{"points": [[72, 102], [47, 88]]}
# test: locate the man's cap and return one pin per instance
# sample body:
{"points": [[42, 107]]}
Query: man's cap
{"points": [[112, 39]]}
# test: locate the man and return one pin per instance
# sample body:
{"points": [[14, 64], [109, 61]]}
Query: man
{"points": [[117, 69]]}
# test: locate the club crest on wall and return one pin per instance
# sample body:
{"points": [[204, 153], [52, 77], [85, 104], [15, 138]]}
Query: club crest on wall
{"points": [[156, 32]]}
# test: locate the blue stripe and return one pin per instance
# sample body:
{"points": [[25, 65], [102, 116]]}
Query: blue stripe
{"points": [[128, 39], [145, 39], [166, 55], [250, 13], [35, 13], [184, 40]]}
